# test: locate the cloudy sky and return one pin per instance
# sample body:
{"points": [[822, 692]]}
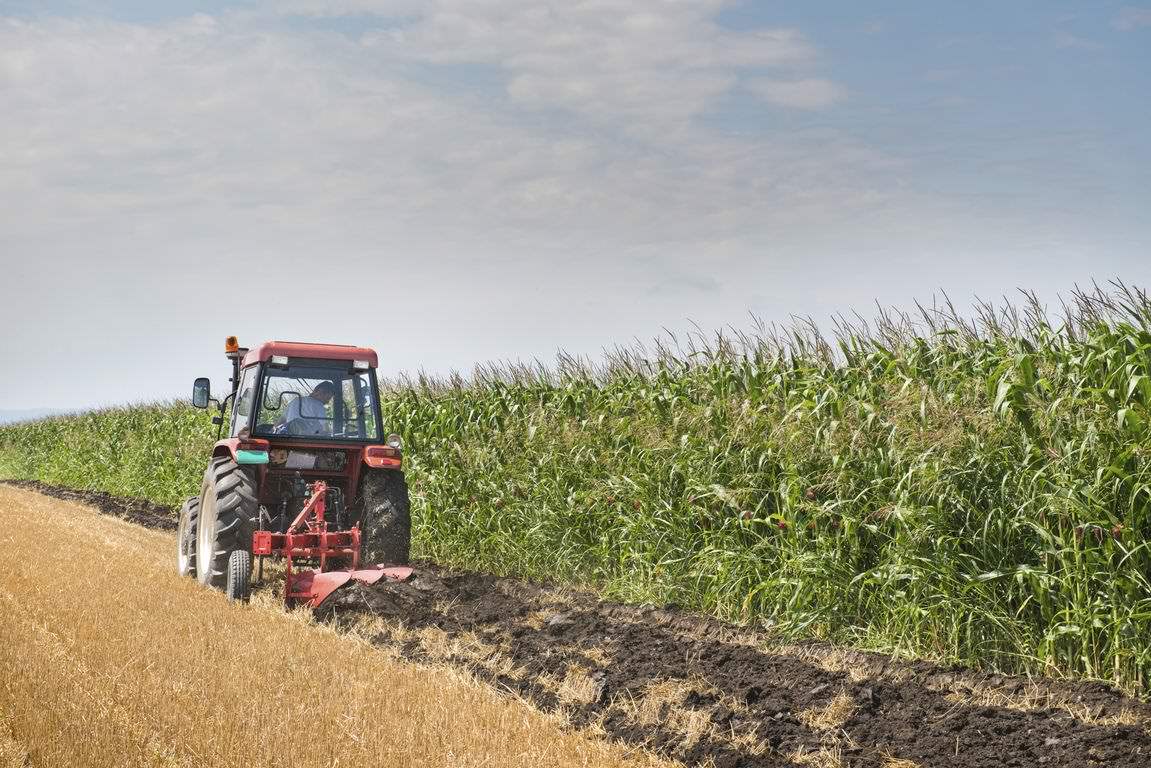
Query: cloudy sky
{"points": [[455, 181]]}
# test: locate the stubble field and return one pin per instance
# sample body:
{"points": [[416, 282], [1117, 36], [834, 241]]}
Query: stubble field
{"points": [[110, 659], [119, 662]]}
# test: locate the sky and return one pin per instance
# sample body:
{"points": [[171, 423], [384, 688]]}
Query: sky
{"points": [[457, 181]]}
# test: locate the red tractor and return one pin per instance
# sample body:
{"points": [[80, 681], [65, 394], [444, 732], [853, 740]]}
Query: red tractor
{"points": [[305, 475]]}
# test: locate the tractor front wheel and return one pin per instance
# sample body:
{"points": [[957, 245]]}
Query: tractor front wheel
{"points": [[186, 537], [387, 520], [229, 512]]}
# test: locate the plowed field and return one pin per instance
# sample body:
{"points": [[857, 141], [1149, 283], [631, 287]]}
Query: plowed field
{"points": [[706, 693]]}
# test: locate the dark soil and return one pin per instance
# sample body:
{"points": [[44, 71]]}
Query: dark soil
{"points": [[696, 689], [138, 511], [747, 694]]}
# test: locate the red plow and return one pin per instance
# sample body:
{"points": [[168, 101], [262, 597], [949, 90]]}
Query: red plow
{"points": [[331, 557]]}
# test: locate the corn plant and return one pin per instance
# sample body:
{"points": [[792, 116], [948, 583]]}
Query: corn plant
{"points": [[966, 487]]}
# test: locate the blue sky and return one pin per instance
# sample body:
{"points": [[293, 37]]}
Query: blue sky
{"points": [[500, 178]]}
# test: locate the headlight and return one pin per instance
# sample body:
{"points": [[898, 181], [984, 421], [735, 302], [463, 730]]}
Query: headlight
{"points": [[394, 441]]}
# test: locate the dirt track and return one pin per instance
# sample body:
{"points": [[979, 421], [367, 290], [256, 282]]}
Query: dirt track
{"points": [[698, 690]]}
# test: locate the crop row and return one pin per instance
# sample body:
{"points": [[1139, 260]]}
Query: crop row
{"points": [[973, 490]]}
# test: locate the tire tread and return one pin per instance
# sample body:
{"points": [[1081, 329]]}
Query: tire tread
{"points": [[237, 509], [387, 521]]}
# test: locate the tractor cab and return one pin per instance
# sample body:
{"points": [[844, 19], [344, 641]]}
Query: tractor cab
{"points": [[293, 390], [304, 456], [313, 391]]}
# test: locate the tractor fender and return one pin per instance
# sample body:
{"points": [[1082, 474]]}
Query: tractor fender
{"points": [[382, 457], [242, 450]]}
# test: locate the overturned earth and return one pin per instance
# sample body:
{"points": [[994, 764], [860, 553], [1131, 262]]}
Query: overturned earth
{"points": [[713, 694], [708, 693]]}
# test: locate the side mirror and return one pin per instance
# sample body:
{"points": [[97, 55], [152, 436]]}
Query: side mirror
{"points": [[201, 392]]}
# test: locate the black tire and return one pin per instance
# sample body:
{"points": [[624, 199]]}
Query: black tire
{"points": [[238, 584], [229, 513], [387, 519], [186, 537]]}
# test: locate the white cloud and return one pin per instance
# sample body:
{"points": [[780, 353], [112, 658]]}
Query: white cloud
{"points": [[146, 167], [1068, 41], [1130, 18], [339, 8], [651, 65], [648, 66], [508, 178], [203, 118], [806, 93]]}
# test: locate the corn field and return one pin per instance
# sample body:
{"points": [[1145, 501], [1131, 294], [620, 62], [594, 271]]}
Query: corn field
{"points": [[964, 487]]}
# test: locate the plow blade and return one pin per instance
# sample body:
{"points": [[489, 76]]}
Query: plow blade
{"points": [[313, 587]]}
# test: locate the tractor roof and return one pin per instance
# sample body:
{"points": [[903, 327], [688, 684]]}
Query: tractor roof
{"points": [[311, 351]]}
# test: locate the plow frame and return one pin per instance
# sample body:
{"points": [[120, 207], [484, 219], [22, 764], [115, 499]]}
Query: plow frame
{"points": [[308, 538]]}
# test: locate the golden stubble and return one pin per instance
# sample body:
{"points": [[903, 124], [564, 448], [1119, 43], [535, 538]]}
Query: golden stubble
{"points": [[12, 754], [1033, 697], [578, 687], [856, 665], [831, 716], [968, 689], [890, 761], [822, 757], [111, 659], [662, 703]]}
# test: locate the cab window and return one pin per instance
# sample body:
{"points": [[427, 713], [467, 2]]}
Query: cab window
{"points": [[242, 407], [317, 400]]}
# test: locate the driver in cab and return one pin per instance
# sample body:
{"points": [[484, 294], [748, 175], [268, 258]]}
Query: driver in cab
{"points": [[307, 415]]}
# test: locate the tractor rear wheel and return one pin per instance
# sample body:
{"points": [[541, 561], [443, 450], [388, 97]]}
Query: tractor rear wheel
{"points": [[238, 585], [229, 512], [387, 520], [186, 537]]}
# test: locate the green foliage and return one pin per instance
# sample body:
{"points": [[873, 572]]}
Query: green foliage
{"points": [[974, 491], [156, 452]]}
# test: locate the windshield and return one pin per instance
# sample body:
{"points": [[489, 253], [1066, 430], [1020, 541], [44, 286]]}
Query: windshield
{"points": [[320, 399]]}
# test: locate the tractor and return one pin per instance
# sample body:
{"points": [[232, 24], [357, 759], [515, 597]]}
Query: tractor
{"points": [[304, 476]]}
